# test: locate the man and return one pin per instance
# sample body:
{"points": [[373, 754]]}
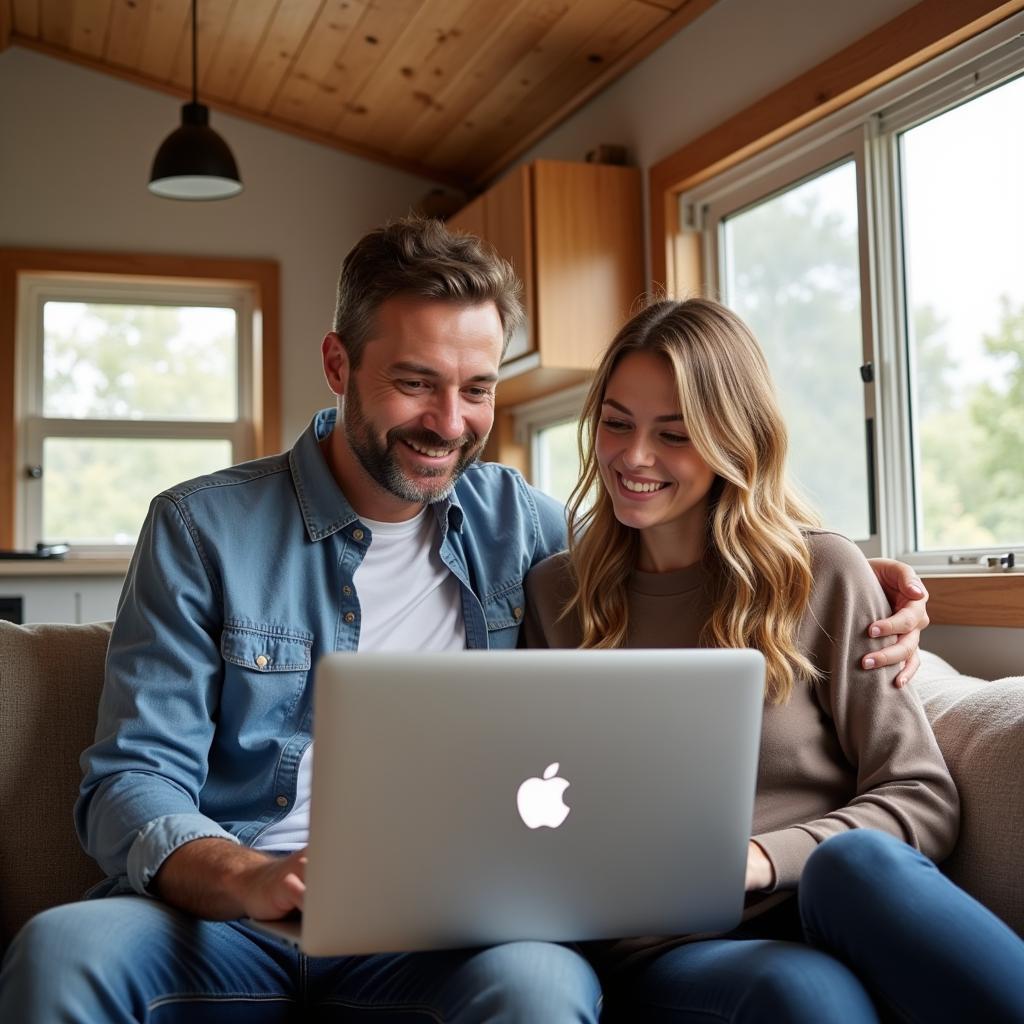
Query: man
{"points": [[378, 530]]}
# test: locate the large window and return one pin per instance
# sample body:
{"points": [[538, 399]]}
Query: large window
{"points": [[879, 258], [964, 279], [125, 387], [791, 270]]}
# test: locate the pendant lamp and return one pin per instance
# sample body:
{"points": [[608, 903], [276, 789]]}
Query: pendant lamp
{"points": [[194, 162]]}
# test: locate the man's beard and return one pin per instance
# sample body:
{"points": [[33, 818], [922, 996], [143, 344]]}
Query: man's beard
{"points": [[381, 461]]}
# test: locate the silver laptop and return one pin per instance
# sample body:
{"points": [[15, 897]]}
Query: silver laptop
{"points": [[482, 797]]}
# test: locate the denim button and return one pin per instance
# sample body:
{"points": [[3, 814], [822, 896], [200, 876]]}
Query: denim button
{"points": [[357, 534], [350, 616], [282, 801], [517, 613], [346, 590], [262, 661]]}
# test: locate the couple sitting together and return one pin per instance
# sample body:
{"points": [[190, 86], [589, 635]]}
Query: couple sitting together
{"points": [[380, 530]]}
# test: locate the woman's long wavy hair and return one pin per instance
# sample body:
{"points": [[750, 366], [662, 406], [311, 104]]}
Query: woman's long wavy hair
{"points": [[754, 543]]}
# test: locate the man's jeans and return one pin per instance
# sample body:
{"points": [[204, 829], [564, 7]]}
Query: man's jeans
{"points": [[128, 958]]}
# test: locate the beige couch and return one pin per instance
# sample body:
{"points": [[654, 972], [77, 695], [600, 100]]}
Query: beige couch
{"points": [[50, 680]]}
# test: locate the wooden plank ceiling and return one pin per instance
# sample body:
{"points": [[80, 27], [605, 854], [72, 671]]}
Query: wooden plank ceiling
{"points": [[454, 89]]}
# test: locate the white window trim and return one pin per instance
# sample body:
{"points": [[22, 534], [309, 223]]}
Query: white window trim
{"points": [[982, 63], [532, 417], [34, 290]]}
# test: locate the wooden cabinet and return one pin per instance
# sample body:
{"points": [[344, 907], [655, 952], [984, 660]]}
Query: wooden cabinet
{"points": [[574, 233]]}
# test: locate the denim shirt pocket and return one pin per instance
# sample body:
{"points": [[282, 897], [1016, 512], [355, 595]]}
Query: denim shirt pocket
{"points": [[504, 614], [284, 656]]}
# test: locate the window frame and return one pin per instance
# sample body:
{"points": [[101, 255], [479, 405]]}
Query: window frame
{"points": [[770, 175], [35, 427], [259, 279], [879, 117], [953, 88]]}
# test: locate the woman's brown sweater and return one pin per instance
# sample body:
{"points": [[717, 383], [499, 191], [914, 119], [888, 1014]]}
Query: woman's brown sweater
{"points": [[849, 751]]}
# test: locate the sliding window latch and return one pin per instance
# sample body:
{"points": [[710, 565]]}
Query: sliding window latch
{"points": [[1003, 562]]}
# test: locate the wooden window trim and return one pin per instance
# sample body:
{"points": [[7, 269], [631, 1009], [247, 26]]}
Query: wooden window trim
{"points": [[919, 34], [261, 275]]}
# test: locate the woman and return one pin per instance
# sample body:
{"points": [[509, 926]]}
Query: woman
{"points": [[685, 533]]}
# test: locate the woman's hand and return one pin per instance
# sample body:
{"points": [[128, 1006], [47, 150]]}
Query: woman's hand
{"points": [[760, 873], [908, 597]]}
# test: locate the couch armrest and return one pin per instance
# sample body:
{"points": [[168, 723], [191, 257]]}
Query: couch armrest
{"points": [[50, 682], [980, 729]]}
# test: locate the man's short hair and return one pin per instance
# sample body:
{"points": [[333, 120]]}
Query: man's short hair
{"points": [[421, 258]]}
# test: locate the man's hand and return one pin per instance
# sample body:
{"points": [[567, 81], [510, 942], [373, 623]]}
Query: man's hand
{"points": [[272, 890], [908, 597], [219, 880], [760, 872]]}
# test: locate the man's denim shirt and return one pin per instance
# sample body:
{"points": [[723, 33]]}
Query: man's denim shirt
{"points": [[241, 580]]}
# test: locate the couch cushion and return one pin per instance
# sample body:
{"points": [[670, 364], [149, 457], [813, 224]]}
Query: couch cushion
{"points": [[980, 728], [50, 682]]}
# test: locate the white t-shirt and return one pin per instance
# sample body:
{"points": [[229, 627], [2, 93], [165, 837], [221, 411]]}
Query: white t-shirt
{"points": [[408, 601]]}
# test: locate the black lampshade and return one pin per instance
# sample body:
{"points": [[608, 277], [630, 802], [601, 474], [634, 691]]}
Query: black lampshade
{"points": [[194, 162]]}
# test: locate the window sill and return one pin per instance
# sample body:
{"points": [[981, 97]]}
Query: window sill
{"points": [[976, 599], [80, 566]]}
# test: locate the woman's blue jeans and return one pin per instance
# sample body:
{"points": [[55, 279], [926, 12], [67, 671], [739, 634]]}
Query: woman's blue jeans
{"points": [[885, 936], [882, 935]]}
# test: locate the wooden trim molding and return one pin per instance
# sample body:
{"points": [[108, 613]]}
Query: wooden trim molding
{"points": [[985, 599], [918, 35], [261, 275]]}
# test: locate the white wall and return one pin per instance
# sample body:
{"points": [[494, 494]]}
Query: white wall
{"points": [[75, 152]]}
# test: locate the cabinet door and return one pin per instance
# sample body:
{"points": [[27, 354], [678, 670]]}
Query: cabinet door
{"points": [[509, 228], [588, 247]]}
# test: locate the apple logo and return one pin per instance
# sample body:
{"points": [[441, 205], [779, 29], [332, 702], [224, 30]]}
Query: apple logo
{"points": [[540, 801]]}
